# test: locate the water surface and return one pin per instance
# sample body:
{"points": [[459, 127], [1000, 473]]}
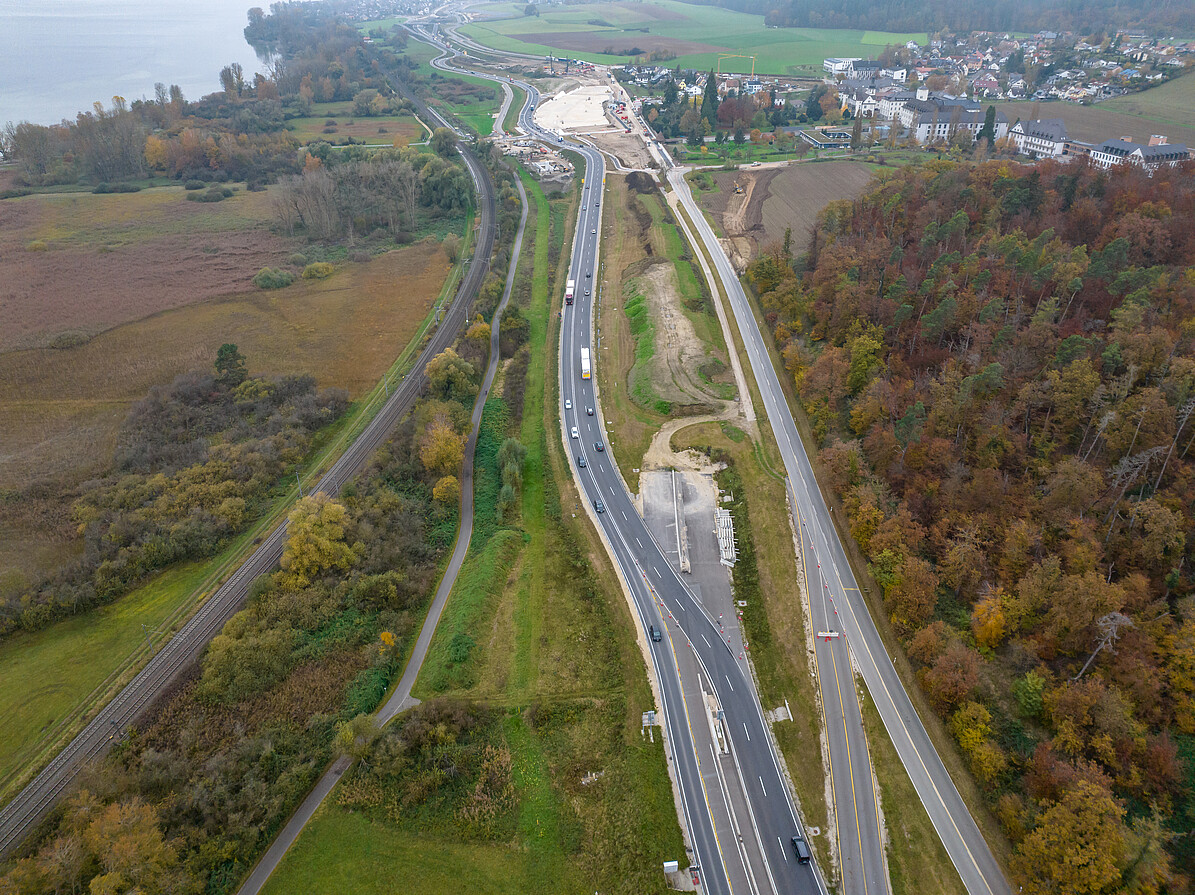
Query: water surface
{"points": [[60, 56]]}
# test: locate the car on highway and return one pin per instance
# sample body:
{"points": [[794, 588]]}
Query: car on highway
{"points": [[581, 464], [588, 274], [802, 850], [586, 293], [656, 636], [576, 434], [599, 506], [568, 405], [589, 411], [594, 230], [598, 446]]}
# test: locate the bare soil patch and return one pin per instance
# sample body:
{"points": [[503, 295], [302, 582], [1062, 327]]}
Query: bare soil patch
{"points": [[678, 349], [775, 199], [799, 192], [629, 150], [85, 263], [1094, 124], [599, 41]]}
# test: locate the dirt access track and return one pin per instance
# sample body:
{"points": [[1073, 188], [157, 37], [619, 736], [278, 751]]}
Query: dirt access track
{"points": [[776, 198]]}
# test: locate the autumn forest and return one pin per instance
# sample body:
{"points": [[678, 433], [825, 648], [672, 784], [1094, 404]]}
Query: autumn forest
{"points": [[998, 363]]}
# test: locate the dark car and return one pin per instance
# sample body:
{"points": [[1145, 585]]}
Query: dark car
{"points": [[801, 849], [588, 274], [656, 636], [581, 462], [598, 446], [599, 506]]}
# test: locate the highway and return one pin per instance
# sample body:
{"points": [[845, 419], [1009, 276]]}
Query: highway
{"points": [[655, 586], [967, 848], [22, 813]]}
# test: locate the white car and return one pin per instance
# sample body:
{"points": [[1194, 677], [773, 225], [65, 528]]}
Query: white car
{"points": [[568, 405], [576, 434]]}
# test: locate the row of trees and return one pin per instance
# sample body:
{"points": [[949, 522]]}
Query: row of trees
{"points": [[1000, 366]]}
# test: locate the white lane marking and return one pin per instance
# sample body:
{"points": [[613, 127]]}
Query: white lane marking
{"points": [[728, 683], [764, 788], [782, 851], [624, 515], [707, 643], [657, 571], [746, 731], [639, 542]]}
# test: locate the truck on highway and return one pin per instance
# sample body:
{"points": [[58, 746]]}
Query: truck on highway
{"points": [[585, 370], [569, 289]]}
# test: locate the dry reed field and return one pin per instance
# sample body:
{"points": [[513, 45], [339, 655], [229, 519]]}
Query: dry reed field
{"points": [[78, 262]]}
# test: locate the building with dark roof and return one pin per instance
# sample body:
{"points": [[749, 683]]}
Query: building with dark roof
{"points": [[1150, 156], [1040, 138]]}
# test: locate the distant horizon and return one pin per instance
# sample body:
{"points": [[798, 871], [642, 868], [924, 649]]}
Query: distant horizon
{"points": [[59, 57]]}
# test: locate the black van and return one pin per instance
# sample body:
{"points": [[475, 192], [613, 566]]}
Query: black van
{"points": [[656, 636], [802, 850]]}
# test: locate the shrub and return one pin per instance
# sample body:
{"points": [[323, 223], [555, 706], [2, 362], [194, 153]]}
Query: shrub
{"points": [[38, 245], [194, 185], [298, 259], [273, 278], [320, 270], [15, 193], [116, 188], [213, 193], [69, 339]]}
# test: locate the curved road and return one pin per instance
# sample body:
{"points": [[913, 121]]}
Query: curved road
{"points": [[401, 698], [20, 815], [831, 573], [658, 591]]}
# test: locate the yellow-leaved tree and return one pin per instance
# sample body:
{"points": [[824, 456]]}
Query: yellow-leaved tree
{"points": [[442, 450], [315, 540]]}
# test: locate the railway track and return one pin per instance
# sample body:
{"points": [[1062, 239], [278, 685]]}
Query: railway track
{"points": [[19, 817]]}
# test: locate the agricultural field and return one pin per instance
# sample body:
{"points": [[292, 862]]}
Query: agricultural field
{"points": [[1104, 121], [1171, 103], [774, 199], [336, 123], [691, 36]]}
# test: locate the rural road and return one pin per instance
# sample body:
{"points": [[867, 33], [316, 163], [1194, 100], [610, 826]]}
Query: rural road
{"points": [[21, 814], [401, 698], [977, 866]]}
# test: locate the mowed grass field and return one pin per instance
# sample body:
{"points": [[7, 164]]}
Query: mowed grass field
{"points": [[696, 34], [336, 123], [1104, 121], [1171, 103]]}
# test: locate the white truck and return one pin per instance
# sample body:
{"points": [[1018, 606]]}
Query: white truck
{"points": [[570, 288], [586, 372]]}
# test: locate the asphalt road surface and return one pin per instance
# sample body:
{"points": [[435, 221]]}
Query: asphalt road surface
{"points": [[20, 815], [660, 596], [966, 846]]}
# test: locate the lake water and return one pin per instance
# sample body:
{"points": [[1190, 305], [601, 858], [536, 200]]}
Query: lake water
{"points": [[58, 57]]}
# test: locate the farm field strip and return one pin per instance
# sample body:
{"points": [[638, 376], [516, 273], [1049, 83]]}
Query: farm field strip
{"points": [[697, 34]]}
